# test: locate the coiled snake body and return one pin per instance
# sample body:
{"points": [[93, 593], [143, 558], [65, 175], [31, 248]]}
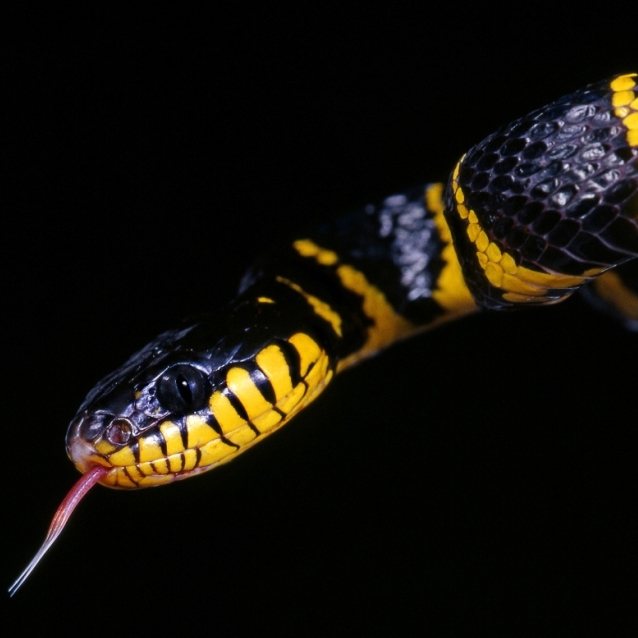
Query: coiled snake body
{"points": [[540, 208]]}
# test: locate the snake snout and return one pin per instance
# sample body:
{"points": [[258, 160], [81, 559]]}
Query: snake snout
{"points": [[81, 437]]}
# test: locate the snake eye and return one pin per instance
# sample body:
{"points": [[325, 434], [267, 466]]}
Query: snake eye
{"points": [[182, 389]]}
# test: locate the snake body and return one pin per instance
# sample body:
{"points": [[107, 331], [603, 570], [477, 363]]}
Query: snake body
{"points": [[533, 212], [540, 208]]}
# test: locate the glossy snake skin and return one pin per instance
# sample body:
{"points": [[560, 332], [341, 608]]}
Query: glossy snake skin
{"points": [[543, 206]]}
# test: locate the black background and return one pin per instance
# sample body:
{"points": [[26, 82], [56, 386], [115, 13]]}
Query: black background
{"points": [[478, 478]]}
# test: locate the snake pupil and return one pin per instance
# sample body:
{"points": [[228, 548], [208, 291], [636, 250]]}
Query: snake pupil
{"points": [[184, 389]]}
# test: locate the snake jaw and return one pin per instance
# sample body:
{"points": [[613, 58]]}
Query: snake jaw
{"points": [[83, 453], [85, 456]]}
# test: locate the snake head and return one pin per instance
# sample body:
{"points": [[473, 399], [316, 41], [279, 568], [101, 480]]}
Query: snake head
{"points": [[181, 406]]}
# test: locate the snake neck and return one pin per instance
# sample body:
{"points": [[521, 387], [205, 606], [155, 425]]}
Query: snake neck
{"points": [[370, 278]]}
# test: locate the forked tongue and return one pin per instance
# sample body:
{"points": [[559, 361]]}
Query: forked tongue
{"points": [[60, 519]]}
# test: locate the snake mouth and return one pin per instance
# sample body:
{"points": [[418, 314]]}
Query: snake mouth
{"points": [[126, 472], [159, 471], [85, 456]]}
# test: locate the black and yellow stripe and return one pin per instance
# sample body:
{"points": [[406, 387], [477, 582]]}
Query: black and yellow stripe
{"points": [[256, 398], [320, 311], [547, 203], [530, 214]]}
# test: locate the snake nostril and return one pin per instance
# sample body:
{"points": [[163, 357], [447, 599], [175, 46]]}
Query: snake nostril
{"points": [[119, 431]]}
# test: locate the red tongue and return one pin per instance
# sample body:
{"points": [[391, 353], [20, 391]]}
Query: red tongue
{"points": [[61, 517]]}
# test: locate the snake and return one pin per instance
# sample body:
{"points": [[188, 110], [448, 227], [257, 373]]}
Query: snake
{"points": [[545, 206]]}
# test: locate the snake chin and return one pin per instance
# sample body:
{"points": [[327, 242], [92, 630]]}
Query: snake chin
{"points": [[85, 456]]}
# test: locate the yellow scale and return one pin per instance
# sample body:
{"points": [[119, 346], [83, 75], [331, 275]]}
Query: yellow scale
{"points": [[625, 103], [155, 469]]}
